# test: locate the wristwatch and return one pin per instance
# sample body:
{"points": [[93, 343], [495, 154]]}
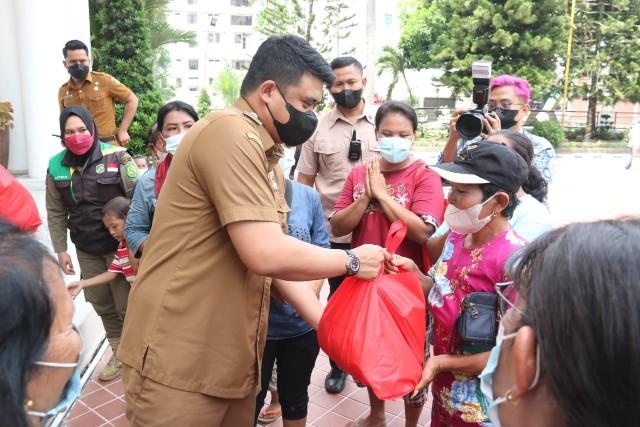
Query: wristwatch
{"points": [[352, 264]]}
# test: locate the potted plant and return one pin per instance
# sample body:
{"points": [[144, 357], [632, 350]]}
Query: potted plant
{"points": [[6, 122]]}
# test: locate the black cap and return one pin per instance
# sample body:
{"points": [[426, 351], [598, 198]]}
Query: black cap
{"points": [[486, 162]]}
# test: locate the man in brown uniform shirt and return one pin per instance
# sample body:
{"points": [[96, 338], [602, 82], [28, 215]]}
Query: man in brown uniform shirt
{"points": [[96, 92], [196, 323]]}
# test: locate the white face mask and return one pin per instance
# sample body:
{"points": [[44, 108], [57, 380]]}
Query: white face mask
{"points": [[466, 221], [173, 142], [287, 161]]}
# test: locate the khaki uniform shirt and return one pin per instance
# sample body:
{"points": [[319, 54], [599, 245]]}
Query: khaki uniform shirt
{"points": [[98, 93], [325, 156], [197, 317]]}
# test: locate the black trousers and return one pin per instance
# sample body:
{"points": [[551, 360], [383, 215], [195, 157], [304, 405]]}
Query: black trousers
{"points": [[334, 284], [296, 359]]}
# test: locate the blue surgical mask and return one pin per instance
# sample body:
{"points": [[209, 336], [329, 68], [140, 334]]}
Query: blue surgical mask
{"points": [[70, 394], [486, 379], [394, 149]]}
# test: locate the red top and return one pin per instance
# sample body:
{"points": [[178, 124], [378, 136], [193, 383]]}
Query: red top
{"points": [[121, 264], [415, 187]]}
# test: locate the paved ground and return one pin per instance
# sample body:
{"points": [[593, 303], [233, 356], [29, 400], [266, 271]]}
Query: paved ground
{"points": [[586, 187]]}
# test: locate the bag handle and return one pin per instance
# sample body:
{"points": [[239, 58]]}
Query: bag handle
{"points": [[397, 232]]}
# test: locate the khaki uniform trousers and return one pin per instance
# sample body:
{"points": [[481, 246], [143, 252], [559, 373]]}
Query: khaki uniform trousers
{"points": [[151, 404], [109, 301]]}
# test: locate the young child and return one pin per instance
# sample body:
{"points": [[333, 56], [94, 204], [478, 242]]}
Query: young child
{"points": [[114, 215]]}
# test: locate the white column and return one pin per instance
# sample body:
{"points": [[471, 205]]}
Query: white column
{"points": [[41, 30]]}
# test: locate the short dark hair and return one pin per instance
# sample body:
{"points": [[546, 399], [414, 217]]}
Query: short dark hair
{"points": [[174, 106], [345, 61], [489, 190], [535, 185], [26, 315], [397, 107], [581, 287], [74, 45], [285, 59], [118, 207], [139, 156]]}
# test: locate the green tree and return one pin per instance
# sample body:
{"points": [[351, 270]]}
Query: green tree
{"points": [[121, 33], [228, 83], [204, 103], [338, 23], [325, 31], [521, 37], [395, 62], [605, 62]]}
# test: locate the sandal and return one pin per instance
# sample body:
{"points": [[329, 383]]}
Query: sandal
{"points": [[267, 416]]}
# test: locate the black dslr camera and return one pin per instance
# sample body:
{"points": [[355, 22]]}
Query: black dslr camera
{"points": [[470, 123]]}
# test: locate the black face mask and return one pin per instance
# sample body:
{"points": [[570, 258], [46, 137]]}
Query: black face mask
{"points": [[79, 71], [300, 126], [348, 98], [507, 117]]}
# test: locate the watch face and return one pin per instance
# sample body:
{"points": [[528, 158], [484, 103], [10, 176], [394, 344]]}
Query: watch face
{"points": [[354, 264]]}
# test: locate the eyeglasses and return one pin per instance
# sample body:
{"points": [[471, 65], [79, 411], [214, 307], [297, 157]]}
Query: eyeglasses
{"points": [[505, 105], [507, 294]]}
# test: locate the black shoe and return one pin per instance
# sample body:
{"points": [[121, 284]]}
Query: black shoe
{"points": [[335, 381]]}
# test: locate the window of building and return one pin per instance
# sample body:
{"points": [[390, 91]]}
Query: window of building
{"points": [[237, 38], [240, 3], [178, 82], [240, 65], [191, 2], [210, 81], [193, 88], [214, 38], [241, 20], [192, 18], [193, 64], [388, 19]]}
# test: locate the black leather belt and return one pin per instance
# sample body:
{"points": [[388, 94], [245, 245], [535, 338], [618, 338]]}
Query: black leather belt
{"points": [[108, 138]]}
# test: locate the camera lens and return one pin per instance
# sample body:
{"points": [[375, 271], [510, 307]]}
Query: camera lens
{"points": [[470, 124]]}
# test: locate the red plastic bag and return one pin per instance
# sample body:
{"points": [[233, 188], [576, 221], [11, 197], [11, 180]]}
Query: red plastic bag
{"points": [[16, 204], [375, 330]]}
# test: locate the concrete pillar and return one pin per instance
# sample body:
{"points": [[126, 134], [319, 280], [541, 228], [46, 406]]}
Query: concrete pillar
{"points": [[40, 30]]}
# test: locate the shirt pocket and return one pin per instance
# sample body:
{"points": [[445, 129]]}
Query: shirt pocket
{"points": [[333, 158], [97, 101], [109, 187], [69, 100], [65, 190]]}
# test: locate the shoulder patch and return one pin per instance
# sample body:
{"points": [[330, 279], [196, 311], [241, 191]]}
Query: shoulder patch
{"points": [[100, 168], [253, 116], [126, 158], [131, 170]]}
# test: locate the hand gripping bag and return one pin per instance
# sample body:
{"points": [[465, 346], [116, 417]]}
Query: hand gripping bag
{"points": [[375, 330], [16, 204]]}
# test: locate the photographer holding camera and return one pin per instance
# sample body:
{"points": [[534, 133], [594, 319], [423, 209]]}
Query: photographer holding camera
{"points": [[506, 108]]}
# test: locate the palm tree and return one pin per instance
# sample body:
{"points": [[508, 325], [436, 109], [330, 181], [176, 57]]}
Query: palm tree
{"points": [[394, 61], [161, 32]]}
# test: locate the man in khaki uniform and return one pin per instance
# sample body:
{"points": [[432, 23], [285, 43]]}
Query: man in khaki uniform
{"points": [[196, 324], [330, 154], [97, 92]]}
